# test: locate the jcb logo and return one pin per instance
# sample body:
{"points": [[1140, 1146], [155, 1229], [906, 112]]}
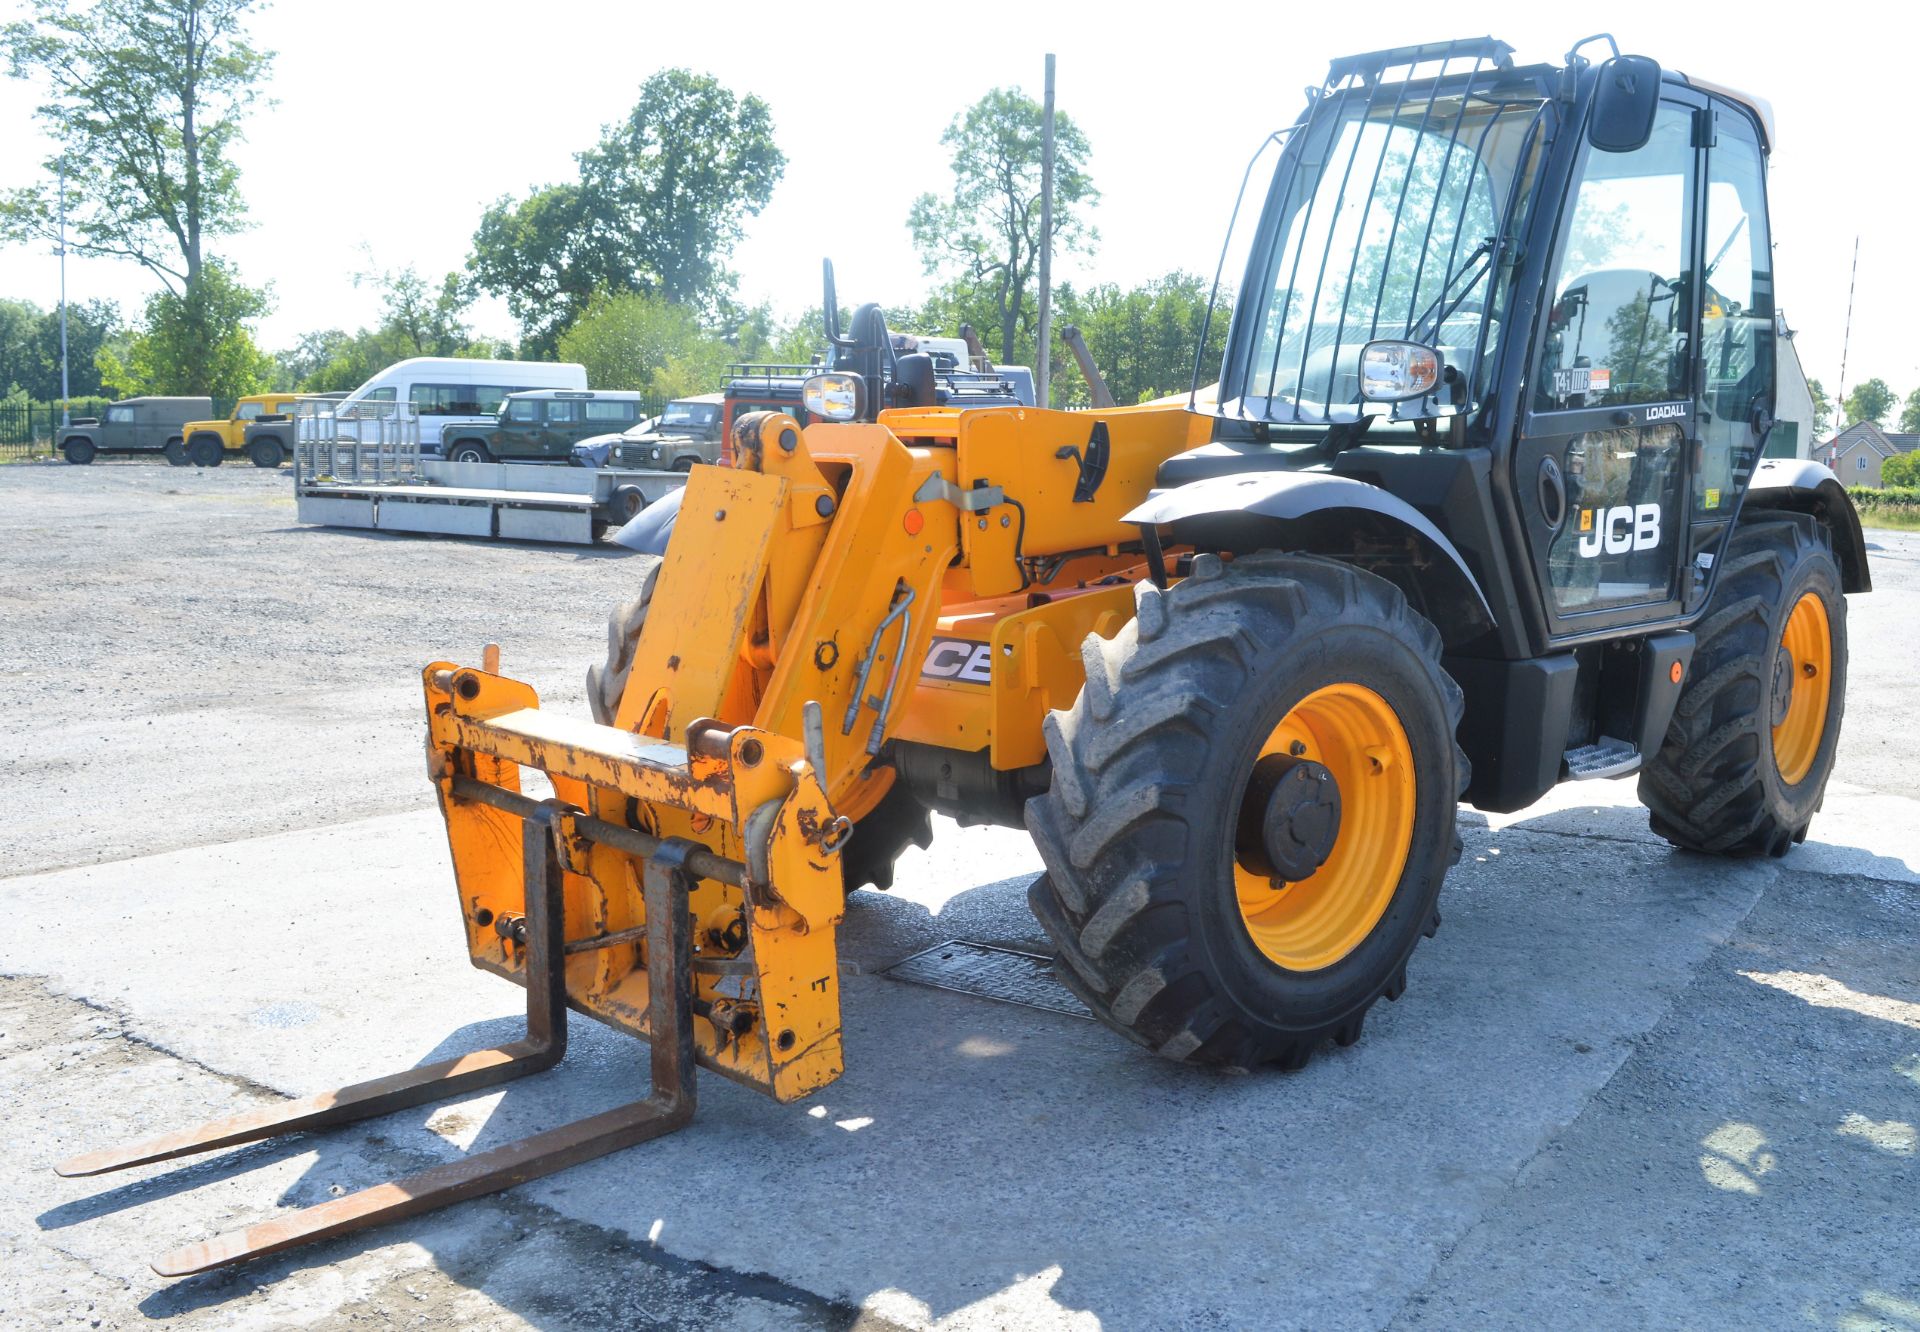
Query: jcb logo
{"points": [[958, 659], [1619, 530]]}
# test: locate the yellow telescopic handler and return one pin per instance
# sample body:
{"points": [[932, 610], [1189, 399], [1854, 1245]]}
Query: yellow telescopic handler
{"points": [[1484, 502]]}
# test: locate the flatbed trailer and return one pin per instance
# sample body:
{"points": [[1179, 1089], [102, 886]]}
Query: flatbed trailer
{"points": [[386, 486]]}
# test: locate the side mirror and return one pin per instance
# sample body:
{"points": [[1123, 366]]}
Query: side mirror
{"points": [[1625, 99]]}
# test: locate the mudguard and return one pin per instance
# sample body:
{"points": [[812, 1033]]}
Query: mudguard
{"points": [[1321, 514], [649, 530], [1805, 486]]}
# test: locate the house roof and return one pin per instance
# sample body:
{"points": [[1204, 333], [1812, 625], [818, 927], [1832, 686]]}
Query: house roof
{"points": [[1905, 442], [1863, 432]]}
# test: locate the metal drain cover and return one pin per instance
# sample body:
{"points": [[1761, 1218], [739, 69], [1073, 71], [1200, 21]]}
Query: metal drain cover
{"points": [[1005, 974]]}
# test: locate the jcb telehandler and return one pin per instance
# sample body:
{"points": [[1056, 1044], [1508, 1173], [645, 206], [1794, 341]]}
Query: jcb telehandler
{"points": [[1478, 508]]}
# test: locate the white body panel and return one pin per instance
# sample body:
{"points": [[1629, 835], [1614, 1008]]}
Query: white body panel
{"points": [[432, 384]]}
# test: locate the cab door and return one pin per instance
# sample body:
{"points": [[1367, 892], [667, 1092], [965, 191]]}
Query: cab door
{"points": [[1605, 465], [562, 427]]}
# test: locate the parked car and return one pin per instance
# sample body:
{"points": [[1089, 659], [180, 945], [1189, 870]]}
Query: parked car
{"points": [[261, 427], [449, 393], [135, 425], [544, 425], [686, 433]]}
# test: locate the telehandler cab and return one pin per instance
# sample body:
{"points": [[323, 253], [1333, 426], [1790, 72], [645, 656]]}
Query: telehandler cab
{"points": [[1477, 509]]}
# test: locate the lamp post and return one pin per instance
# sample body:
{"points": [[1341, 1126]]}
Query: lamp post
{"points": [[66, 405]]}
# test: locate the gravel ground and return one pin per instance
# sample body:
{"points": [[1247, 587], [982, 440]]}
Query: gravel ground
{"points": [[176, 639], [1627, 1087]]}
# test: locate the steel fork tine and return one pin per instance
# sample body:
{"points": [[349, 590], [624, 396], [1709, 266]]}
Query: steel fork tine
{"points": [[545, 1043], [670, 1107]]}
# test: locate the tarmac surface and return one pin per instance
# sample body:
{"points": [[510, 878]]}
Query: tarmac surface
{"points": [[1626, 1087]]}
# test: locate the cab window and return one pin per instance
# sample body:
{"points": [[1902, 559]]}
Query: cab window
{"points": [[1737, 333], [1617, 324], [562, 412], [119, 415], [249, 411], [603, 409], [523, 411]]}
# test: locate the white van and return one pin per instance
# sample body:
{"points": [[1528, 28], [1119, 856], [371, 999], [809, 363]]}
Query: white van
{"points": [[447, 390]]}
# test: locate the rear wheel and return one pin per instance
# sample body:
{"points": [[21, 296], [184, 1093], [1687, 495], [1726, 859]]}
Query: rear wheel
{"points": [[1252, 810], [266, 453], [79, 452], [1745, 761], [175, 453], [206, 451]]}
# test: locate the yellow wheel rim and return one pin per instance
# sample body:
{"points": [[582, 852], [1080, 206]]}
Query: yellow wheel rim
{"points": [[1316, 921], [1806, 653]]}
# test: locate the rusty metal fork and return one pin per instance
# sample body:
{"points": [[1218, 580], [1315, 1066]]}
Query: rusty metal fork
{"points": [[666, 882]]}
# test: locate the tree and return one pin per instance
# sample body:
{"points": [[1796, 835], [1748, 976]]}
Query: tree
{"points": [[1822, 408], [145, 101], [1870, 401], [1142, 340], [1910, 413], [194, 343], [986, 234], [1903, 469], [633, 340], [660, 203], [425, 318]]}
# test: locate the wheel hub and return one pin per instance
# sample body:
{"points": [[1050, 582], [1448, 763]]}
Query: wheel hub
{"points": [[1782, 685], [1290, 820]]}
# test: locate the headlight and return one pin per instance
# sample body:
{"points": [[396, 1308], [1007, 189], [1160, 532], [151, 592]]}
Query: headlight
{"points": [[835, 397], [655, 453], [1393, 371]]}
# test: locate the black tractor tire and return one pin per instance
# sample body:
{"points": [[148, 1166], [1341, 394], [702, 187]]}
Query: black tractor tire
{"points": [[626, 503], [889, 828], [607, 682], [79, 452], [1715, 785], [266, 453], [206, 451], [1149, 765], [469, 451], [175, 453]]}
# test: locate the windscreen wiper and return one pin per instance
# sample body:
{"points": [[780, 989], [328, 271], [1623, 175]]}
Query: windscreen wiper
{"points": [[1442, 307]]}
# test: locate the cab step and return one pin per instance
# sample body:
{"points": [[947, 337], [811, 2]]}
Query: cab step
{"points": [[1605, 757]]}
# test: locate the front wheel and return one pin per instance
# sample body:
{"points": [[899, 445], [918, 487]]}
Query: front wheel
{"points": [[79, 452], [1252, 810], [1745, 761], [469, 452]]}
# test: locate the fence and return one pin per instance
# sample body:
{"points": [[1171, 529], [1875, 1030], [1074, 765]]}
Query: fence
{"points": [[31, 429], [28, 428]]}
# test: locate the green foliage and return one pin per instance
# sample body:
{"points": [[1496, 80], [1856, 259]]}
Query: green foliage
{"points": [[631, 340], [1901, 470], [1910, 413], [660, 203], [1887, 507], [30, 347], [417, 318], [985, 235], [1822, 408], [145, 100], [1870, 401], [193, 343], [1142, 340]]}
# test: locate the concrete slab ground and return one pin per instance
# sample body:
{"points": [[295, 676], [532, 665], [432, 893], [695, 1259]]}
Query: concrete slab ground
{"points": [[1626, 1086]]}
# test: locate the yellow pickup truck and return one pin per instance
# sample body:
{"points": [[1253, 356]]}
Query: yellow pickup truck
{"points": [[261, 427]]}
